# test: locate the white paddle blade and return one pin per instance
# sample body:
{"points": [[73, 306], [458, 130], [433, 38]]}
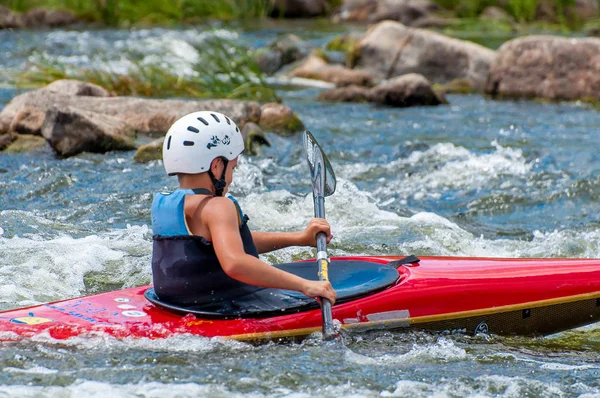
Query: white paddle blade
{"points": [[318, 163]]}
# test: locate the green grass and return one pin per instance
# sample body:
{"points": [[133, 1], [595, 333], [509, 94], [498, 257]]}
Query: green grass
{"points": [[224, 71], [521, 10], [151, 12]]}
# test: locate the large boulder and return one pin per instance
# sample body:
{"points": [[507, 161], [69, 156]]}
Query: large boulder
{"points": [[391, 49], [26, 112], [70, 131], [404, 11], [75, 116], [298, 8], [554, 68]]}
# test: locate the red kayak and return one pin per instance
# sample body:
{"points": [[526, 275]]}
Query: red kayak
{"points": [[445, 294]]}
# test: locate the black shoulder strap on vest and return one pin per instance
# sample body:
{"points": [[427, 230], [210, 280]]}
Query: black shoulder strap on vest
{"points": [[413, 260], [203, 191]]}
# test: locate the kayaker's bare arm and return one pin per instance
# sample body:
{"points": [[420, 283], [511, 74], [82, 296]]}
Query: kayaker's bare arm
{"points": [[222, 221], [269, 241]]}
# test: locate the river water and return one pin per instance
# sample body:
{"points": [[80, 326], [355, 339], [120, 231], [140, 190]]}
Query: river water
{"points": [[474, 178]]}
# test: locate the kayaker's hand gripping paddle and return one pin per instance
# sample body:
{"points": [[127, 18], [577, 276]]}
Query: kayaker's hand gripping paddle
{"points": [[323, 184]]}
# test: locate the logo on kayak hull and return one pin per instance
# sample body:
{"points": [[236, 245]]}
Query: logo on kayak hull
{"points": [[30, 320]]}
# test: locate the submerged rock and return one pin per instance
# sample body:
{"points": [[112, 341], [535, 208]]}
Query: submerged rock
{"points": [[149, 152], [549, 67], [391, 49], [26, 143], [6, 140]]}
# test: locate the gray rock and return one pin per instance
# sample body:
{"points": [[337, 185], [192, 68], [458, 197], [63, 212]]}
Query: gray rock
{"points": [[70, 131], [26, 112], [283, 51], [254, 138], [494, 13], [36, 18], [279, 118], [149, 152], [9, 20], [372, 11], [391, 49], [346, 94], [404, 91], [77, 87], [550, 67], [6, 140], [316, 68], [26, 143]]}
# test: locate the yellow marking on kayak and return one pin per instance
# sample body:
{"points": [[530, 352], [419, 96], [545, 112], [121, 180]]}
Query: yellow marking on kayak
{"points": [[407, 322], [324, 273]]}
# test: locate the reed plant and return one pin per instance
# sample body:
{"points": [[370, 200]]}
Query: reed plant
{"points": [[225, 70]]}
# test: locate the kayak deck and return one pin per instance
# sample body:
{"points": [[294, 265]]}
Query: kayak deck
{"points": [[447, 294]]}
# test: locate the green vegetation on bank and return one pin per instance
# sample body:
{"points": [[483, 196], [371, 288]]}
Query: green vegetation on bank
{"points": [[224, 70], [521, 10], [150, 12]]}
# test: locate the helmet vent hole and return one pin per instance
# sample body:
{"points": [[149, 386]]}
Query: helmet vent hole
{"points": [[188, 143], [169, 143], [215, 117], [237, 129], [228, 121], [193, 129], [203, 121]]}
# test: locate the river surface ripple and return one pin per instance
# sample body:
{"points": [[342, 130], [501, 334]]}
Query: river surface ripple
{"points": [[475, 178]]}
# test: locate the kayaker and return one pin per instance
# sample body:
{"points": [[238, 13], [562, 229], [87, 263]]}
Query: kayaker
{"points": [[204, 254]]}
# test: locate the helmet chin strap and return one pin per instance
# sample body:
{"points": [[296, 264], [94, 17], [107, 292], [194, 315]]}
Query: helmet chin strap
{"points": [[219, 184]]}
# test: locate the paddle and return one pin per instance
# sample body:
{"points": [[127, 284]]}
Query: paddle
{"points": [[323, 184]]}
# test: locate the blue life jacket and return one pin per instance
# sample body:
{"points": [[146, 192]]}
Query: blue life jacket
{"points": [[187, 272]]}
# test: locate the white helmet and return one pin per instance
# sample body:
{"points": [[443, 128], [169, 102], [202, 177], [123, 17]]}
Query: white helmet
{"points": [[194, 140]]}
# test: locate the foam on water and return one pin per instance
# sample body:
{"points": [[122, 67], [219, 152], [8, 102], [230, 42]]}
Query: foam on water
{"points": [[443, 350], [93, 389], [482, 386], [46, 269], [119, 52]]}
